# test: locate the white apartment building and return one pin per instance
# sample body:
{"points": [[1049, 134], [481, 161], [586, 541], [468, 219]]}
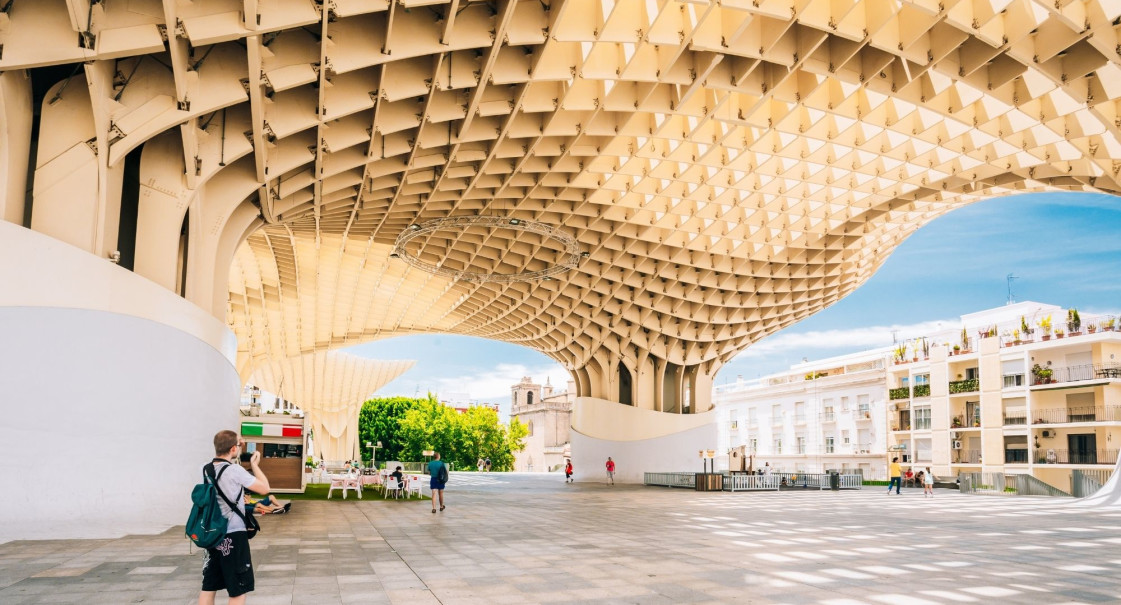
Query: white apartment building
{"points": [[821, 415], [1010, 394], [1016, 389]]}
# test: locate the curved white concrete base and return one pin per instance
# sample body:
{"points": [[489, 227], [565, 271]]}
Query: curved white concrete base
{"points": [[106, 417], [639, 441]]}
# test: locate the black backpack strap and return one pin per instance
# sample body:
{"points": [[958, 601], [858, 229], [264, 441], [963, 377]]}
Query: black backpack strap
{"points": [[238, 510]]}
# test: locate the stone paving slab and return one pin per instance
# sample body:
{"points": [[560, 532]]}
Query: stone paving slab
{"points": [[521, 538]]}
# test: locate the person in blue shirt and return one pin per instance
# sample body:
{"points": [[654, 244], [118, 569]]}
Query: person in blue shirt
{"points": [[438, 472]]}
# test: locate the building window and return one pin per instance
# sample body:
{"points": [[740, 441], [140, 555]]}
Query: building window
{"points": [[754, 445], [751, 416], [801, 444], [735, 425], [862, 404], [529, 428], [778, 446], [922, 378], [845, 437], [844, 404], [922, 419], [828, 445], [529, 398], [827, 415]]}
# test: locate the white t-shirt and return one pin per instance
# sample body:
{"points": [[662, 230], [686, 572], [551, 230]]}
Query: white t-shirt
{"points": [[232, 482], [928, 478]]}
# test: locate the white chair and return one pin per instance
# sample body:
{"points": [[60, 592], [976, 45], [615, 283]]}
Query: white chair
{"points": [[338, 481], [391, 485], [347, 482], [354, 482], [414, 486]]}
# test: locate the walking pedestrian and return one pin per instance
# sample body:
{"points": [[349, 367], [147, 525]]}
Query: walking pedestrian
{"points": [[610, 471], [928, 483], [896, 476], [568, 471], [438, 473]]}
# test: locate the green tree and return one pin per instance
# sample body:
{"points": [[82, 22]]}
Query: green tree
{"points": [[407, 427], [379, 420]]}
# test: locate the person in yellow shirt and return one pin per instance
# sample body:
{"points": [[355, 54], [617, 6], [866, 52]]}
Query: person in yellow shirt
{"points": [[896, 476]]}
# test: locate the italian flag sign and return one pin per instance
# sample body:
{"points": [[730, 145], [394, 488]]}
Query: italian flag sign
{"points": [[260, 429]]}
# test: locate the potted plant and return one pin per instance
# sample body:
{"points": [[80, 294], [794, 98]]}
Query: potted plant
{"points": [[1091, 327], [1045, 327], [925, 349], [956, 422], [900, 353], [1042, 375], [1107, 325], [1074, 322], [1059, 333], [964, 340], [976, 423], [1025, 329], [957, 349]]}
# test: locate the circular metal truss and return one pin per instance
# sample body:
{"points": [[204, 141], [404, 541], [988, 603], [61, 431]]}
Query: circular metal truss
{"points": [[570, 256]]}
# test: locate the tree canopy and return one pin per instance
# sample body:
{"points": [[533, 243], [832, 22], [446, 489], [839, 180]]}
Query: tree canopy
{"points": [[406, 427]]}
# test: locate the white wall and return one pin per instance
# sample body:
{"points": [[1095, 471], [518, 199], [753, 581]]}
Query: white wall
{"points": [[638, 440], [106, 417]]}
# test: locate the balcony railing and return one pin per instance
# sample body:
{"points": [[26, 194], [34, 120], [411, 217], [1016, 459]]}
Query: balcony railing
{"points": [[1090, 371], [1052, 456], [900, 393], [1013, 418], [921, 390], [966, 456], [862, 448], [828, 417], [1077, 414], [969, 385]]}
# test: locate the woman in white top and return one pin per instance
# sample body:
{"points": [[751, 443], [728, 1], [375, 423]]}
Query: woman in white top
{"points": [[928, 483]]}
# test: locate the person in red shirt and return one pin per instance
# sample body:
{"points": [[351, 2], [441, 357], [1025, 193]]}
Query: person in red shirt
{"points": [[610, 471], [568, 471]]}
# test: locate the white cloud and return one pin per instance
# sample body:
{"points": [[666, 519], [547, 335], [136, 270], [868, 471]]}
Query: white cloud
{"points": [[493, 386], [852, 338]]}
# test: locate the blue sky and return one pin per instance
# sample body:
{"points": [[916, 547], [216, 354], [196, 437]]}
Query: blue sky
{"points": [[1065, 249]]}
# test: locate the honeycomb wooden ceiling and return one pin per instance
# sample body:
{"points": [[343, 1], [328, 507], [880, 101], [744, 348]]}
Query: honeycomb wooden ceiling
{"points": [[729, 167]]}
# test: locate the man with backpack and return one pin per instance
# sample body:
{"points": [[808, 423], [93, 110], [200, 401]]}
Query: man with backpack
{"points": [[438, 478], [228, 564]]}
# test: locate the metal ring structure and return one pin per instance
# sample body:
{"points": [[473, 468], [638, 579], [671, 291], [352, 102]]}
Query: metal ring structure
{"points": [[569, 261]]}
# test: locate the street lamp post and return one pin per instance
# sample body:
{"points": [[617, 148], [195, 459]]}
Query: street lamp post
{"points": [[373, 452]]}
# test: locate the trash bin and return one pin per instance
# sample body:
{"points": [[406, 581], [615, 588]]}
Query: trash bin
{"points": [[710, 482], [835, 481]]}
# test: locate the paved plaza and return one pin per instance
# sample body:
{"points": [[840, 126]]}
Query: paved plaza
{"points": [[521, 538]]}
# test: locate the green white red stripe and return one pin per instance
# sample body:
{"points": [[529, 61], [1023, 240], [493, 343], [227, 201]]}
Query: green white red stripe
{"points": [[260, 429]]}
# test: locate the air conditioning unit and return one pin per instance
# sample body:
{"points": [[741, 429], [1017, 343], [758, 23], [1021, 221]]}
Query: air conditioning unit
{"points": [[956, 444], [1048, 433]]}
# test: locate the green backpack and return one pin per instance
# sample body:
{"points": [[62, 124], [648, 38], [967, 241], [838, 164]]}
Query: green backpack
{"points": [[206, 525]]}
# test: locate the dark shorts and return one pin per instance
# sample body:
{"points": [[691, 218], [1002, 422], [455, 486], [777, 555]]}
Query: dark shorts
{"points": [[435, 483], [228, 566]]}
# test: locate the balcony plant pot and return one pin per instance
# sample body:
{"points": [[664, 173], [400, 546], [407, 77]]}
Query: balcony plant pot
{"points": [[1073, 334], [1091, 329], [1046, 337]]}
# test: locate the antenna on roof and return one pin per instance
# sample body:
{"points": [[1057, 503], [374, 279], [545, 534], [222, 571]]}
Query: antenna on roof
{"points": [[1011, 297]]}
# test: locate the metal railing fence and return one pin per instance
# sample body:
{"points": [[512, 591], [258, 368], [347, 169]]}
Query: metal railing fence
{"points": [[1076, 414], [1054, 456], [1089, 371], [740, 482], [688, 480], [1001, 484], [1085, 483]]}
